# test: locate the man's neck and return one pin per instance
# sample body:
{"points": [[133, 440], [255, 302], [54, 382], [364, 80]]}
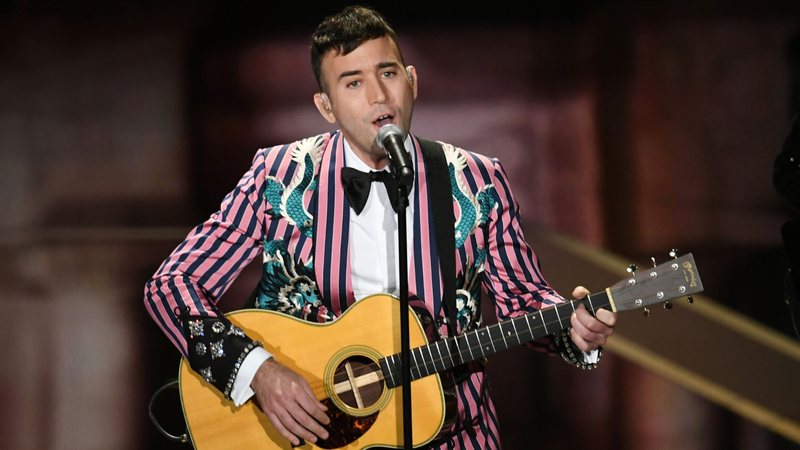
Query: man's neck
{"points": [[373, 161]]}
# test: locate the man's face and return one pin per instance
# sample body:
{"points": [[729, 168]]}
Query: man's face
{"points": [[366, 89]]}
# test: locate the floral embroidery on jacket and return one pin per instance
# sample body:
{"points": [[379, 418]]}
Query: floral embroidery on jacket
{"points": [[288, 287]]}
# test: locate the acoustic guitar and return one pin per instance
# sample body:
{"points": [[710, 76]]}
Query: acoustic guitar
{"points": [[353, 364]]}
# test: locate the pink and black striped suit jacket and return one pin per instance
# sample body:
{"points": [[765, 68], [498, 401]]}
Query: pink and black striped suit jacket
{"points": [[201, 268]]}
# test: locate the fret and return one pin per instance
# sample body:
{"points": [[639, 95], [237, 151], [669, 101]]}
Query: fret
{"points": [[449, 349], [424, 360], [514, 325], [503, 334], [485, 333], [479, 342], [516, 332], [602, 299], [452, 364], [541, 316], [589, 297], [571, 303], [469, 347], [458, 347], [493, 330], [433, 360], [528, 323], [390, 370], [559, 317], [449, 354], [419, 373]]}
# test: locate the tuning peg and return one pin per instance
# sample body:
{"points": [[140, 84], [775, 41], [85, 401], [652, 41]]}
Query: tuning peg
{"points": [[632, 269], [668, 305], [673, 253], [690, 299], [654, 261], [646, 312]]}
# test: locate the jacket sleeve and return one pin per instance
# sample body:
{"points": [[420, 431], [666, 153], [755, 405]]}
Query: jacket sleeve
{"points": [[182, 295], [513, 276]]}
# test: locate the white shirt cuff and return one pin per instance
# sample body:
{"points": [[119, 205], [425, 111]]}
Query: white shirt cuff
{"points": [[242, 391], [590, 357]]}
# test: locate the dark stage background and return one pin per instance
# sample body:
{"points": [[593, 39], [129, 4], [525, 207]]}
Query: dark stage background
{"points": [[632, 128]]}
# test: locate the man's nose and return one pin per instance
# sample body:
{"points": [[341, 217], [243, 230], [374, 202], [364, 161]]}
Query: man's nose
{"points": [[377, 92]]}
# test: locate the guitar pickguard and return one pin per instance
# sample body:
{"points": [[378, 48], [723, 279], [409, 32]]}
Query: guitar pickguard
{"points": [[344, 428]]}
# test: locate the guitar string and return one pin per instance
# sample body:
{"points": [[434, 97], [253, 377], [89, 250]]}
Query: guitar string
{"points": [[433, 360], [394, 369]]}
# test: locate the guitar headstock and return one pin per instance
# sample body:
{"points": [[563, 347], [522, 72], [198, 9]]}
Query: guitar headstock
{"points": [[673, 279]]}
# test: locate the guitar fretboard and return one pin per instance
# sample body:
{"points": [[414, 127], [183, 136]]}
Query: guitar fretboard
{"points": [[449, 353]]}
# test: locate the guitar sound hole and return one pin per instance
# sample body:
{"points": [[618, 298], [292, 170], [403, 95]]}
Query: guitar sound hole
{"points": [[358, 382]]}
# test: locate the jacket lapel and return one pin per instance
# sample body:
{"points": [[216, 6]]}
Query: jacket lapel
{"points": [[331, 230], [425, 276]]}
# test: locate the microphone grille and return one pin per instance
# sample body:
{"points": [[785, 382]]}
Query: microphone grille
{"points": [[386, 131]]}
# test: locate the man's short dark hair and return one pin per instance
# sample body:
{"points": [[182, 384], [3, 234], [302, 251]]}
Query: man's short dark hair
{"points": [[344, 31]]}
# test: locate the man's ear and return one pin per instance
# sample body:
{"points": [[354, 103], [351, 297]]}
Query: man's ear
{"points": [[411, 73], [323, 104]]}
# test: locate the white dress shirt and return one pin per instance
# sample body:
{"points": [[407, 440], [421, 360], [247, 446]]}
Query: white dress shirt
{"points": [[373, 235]]}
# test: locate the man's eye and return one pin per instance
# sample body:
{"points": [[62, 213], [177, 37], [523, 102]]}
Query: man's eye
{"points": [[354, 84], [389, 74]]}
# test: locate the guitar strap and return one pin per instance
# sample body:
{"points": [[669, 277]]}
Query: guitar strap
{"points": [[441, 198]]}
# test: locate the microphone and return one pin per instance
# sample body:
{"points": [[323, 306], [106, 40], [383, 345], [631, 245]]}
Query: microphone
{"points": [[390, 138]]}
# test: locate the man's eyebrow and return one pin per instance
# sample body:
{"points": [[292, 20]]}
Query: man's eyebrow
{"points": [[380, 65], [349, 73], [385, 64]]}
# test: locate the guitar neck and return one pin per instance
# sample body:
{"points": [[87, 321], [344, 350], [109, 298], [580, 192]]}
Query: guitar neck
{"points": [[675, 278], [449, 353]]}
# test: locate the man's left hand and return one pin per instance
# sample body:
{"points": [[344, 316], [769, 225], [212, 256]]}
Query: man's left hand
{"points": [[589, 332]]}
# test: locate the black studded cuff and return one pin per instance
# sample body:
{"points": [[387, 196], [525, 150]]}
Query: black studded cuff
{"points": [[571, 353], [216, 349]]}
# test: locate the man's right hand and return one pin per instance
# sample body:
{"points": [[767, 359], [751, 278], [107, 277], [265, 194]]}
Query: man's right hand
{"points": [[287, 400]]}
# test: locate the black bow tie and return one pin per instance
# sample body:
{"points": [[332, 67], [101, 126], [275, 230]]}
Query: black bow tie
{"points": [[357, 185]]}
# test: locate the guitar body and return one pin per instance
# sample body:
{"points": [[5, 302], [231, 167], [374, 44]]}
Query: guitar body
{"points": [[340, 362]]}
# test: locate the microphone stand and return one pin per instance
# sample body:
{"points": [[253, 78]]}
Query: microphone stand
{"points": [[405, 354], [391, 139]]}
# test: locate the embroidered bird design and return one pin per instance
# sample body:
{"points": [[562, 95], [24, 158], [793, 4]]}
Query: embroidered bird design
{"points": [[474, 210], [287, 201]]}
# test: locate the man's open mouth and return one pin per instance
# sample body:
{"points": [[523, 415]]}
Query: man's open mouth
{"points": [[384, 119]]}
